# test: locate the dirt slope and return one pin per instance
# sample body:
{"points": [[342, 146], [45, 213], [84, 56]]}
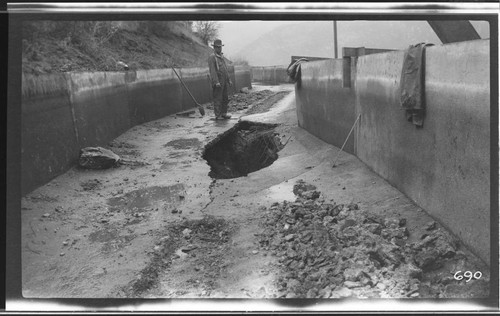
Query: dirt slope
{"points": [[50, 47]]}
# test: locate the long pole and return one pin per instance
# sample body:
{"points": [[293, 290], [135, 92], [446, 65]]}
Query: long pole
{"points": [[185, 87], [352, 128], [335, 38], [200, 107]]}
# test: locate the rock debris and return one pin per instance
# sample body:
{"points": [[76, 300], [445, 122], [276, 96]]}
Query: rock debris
{"points": [[330, 250]]}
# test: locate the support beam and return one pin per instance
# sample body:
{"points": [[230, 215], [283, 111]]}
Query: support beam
{"points": [[335, 38], [347, 61], [295, 58], [346, 71], [361, 51], [454, 31]]}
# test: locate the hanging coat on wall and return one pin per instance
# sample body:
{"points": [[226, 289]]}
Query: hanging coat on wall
{"points": [[293, 70], [413, 84]]}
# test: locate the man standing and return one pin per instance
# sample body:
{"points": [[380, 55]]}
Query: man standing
{"points": [[220, 81]]}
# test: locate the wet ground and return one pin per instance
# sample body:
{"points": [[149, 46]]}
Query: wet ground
{"points": [[161, 225]]}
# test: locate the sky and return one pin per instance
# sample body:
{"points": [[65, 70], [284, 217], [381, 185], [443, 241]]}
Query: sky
{"points": [[237, 34]]}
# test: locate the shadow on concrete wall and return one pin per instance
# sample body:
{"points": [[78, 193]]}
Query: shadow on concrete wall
{"points": [[443, 167], [62, 113]]}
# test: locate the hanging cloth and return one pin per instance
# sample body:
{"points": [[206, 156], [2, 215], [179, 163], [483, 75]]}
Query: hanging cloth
{"points": [[413, 84], [293, 70]]}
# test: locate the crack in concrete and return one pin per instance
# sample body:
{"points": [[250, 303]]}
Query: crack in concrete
{"points": [[210, 191]]}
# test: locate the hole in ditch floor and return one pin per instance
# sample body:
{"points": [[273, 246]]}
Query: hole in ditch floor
{"points": [[243, 149]]}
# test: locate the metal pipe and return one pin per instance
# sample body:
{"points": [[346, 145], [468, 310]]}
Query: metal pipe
{"points": [[335, 38]]}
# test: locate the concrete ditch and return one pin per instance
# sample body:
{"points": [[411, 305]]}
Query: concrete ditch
{"points": [[165, 229], [444, 167], [63, 113]]}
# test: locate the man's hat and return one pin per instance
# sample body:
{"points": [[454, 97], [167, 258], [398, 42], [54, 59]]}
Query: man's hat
{"points": [[217, 42]]}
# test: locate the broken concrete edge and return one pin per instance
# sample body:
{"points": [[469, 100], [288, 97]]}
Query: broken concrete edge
{"points": [[234, 128], [97, 158]]}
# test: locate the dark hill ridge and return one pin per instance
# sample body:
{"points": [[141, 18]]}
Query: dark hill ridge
{"points": [[51, 47]]}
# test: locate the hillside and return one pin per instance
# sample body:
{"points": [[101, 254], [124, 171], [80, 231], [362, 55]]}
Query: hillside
{"points": [[60, 46], [315, 38]]}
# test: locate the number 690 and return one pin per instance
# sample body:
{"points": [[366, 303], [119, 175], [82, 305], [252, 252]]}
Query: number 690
{"points": [[467, 274]]}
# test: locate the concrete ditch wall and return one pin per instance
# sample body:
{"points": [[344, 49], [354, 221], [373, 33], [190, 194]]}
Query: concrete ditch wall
{"points": [[270, 74], [324, 107], [62, 113], [242, 77], [48, 131], [445, 166]]}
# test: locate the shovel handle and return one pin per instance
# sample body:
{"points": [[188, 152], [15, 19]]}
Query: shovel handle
{"points": [[185, 87]]}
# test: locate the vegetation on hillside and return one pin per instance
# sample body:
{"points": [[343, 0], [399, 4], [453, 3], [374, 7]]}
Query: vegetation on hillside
{"points": [[207, 31], [61, 46]]}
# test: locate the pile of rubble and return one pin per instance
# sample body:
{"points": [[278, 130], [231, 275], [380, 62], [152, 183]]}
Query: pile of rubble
{"points": [[266, 104], [245, 99], [328, 250]]}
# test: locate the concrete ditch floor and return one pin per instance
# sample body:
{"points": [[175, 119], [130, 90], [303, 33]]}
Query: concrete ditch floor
{"points": [[160, 227]]}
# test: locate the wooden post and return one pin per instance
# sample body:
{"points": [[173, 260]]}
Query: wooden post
{"points": [[335, 38]]}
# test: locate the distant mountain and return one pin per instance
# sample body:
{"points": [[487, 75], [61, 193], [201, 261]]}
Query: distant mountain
{"points": [[237, 34], [315, 38]]}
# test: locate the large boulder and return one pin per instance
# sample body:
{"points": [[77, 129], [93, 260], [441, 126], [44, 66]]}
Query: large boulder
{"points": [[97, 158]]}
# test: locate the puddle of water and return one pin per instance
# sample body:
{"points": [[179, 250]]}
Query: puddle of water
{"points": [[147, 197], [110, 239], [103, 235], [184, 143], [168, 165], [133, 222], [176, 155], [118, 243], [281, 192]]}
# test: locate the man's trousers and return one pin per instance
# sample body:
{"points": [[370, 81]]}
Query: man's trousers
{"points": [[221, 99]]}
